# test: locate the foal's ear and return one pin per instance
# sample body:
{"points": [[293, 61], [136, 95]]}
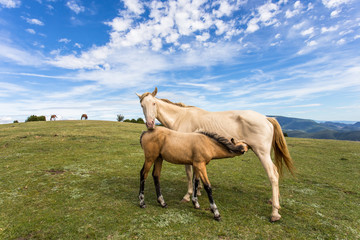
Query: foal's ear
{"points": [[154, 92], [233, 141], [138, 95]]}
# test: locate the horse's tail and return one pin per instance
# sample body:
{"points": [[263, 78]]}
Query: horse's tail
{"points": [[281, 150]]}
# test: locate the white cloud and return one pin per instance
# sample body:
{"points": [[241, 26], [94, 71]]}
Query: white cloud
{"points": [[335, 13], [19, 56], [10, 3], [335, 3], [32, 31], [204, 37], [120, 24], [329, 29], [341, 42], [134, 6], [312, 43], [64, 40], [265, 15], [252, 25], [34, 21], [308, 31], [297, 9], [75, 6]]}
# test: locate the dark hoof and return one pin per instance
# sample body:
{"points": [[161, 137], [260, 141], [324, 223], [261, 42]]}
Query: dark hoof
{"points": [[143, 205], [218, 218], [164, 206]]}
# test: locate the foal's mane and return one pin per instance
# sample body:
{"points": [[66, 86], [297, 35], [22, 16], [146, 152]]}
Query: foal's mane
{"points": [[224, 142]]}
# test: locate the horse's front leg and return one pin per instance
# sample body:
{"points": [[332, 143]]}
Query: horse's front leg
{"points": [[189, 176], [156, 176]]}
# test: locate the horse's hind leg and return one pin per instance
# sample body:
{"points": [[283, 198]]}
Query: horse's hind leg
{"points": [[273, 176], [143, 175], [189, 176], [156, 176], [204, 178]]}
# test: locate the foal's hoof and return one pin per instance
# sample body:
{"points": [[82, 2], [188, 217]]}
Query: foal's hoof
{"points": [[143, 205], [164, 205], [217, 218]]}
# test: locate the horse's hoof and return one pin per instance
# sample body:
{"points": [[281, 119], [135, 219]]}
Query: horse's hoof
{"points": [[184, 200], [164, 205], [143, 205], [275, 218]]}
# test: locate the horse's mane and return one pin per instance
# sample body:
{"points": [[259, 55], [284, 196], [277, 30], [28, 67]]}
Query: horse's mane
{"points": [[164, 100], [224, 142], [177, 104]]}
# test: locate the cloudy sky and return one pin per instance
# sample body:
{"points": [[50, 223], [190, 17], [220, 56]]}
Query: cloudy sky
{"points": [[290, 58]]}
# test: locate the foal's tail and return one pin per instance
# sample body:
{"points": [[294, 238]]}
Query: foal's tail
{"points": [[142, 134], [281, 150]]}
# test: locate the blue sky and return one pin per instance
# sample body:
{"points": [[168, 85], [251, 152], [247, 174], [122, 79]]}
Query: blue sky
{"points": [[290, 58]]}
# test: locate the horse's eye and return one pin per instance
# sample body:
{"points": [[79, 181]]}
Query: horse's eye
{"points": [[154, 104]]}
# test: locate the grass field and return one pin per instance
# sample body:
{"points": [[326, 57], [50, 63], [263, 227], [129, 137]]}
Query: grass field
{"points": [[80, 180]]}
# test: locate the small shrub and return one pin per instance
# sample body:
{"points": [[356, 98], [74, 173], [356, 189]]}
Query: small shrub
{"points": [[34, 118], [140, 120], [16, 121]]}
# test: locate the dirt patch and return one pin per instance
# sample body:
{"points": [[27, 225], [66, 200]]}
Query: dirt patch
{"points": [[55, 171]]}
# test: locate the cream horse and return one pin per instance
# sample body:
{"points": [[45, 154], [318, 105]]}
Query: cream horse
{"points": [[196, 149], [258, 131]]}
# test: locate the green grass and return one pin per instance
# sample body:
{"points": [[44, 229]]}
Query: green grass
{"points": [[80, 179]]}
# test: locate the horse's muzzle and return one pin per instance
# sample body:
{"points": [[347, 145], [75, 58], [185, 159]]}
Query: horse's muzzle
{"points": [[150, 125]]}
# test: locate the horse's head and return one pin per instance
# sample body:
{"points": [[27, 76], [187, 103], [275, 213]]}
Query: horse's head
{"points": [[148, 104], [241, 146]]}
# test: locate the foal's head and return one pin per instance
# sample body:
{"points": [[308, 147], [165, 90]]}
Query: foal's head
{"points": [[148, 104], [240, 146]]}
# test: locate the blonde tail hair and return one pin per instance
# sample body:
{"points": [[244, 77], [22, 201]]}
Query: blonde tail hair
{"points": [[282, 155]]}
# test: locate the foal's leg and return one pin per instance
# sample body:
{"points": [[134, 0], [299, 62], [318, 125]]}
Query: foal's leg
{"points": [[204, 178], [156, 176], [273, 176], [195, 191], [143, 175]]}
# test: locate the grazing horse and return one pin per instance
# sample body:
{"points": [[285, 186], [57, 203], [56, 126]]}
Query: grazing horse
{"points": [[53, 117], [84, 116], [258, 131], [196, 149]]}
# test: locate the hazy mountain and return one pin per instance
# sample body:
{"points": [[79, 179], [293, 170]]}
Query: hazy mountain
{"points": [[306, 128]]}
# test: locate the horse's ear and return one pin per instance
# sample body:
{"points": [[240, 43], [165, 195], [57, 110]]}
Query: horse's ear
{"points": [[233, 141], [138, 95], [154, 92]]}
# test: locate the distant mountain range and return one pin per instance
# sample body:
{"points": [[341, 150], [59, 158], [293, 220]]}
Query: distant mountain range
{"points": [[306, 128]]}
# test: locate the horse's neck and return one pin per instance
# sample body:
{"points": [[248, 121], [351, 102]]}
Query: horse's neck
{"points": [[168, 114]]}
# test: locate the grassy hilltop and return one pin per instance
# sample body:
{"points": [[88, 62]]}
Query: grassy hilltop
{"points": [[80, 179]]}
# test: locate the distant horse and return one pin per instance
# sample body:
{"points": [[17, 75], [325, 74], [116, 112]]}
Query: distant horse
{"points": [[258, 131], [53, 117], [84, 116], [196, 149]]}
